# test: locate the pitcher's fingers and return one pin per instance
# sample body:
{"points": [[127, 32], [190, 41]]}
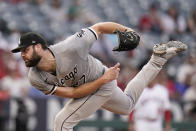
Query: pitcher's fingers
{"points": [[117, 65]]}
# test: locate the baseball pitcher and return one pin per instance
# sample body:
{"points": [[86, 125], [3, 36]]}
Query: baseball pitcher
{"points": [[67, 70]]}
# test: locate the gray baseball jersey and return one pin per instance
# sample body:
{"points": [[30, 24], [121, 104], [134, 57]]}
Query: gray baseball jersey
{"points": [[74, 65]]}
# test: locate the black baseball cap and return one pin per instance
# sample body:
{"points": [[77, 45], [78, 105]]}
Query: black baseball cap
{"points": [[28, 39]]}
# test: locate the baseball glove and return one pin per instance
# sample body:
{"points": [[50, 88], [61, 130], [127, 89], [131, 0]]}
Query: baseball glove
{"points": [[127, 40]]}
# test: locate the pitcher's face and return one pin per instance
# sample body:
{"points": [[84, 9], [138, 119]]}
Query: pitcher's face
{"points": [[30, 56]]}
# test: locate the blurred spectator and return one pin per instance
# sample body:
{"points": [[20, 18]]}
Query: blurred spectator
{"points": [[151, 21], [184, 73], [14, 83], [190, 94], [173, 22], [189, 97], [3, 64], [192, 23], [77, 13], [188, 67], [152, 107], [74, 10], [55, 11]]}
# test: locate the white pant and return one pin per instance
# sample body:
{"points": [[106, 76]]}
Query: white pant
{"points": [[145, 125], [109, 97]]}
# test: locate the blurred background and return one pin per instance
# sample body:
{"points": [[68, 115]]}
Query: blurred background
{"points": [[23, 108]]}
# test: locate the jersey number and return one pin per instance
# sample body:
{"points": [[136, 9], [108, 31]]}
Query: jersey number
{"points": [[81, 81]]}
